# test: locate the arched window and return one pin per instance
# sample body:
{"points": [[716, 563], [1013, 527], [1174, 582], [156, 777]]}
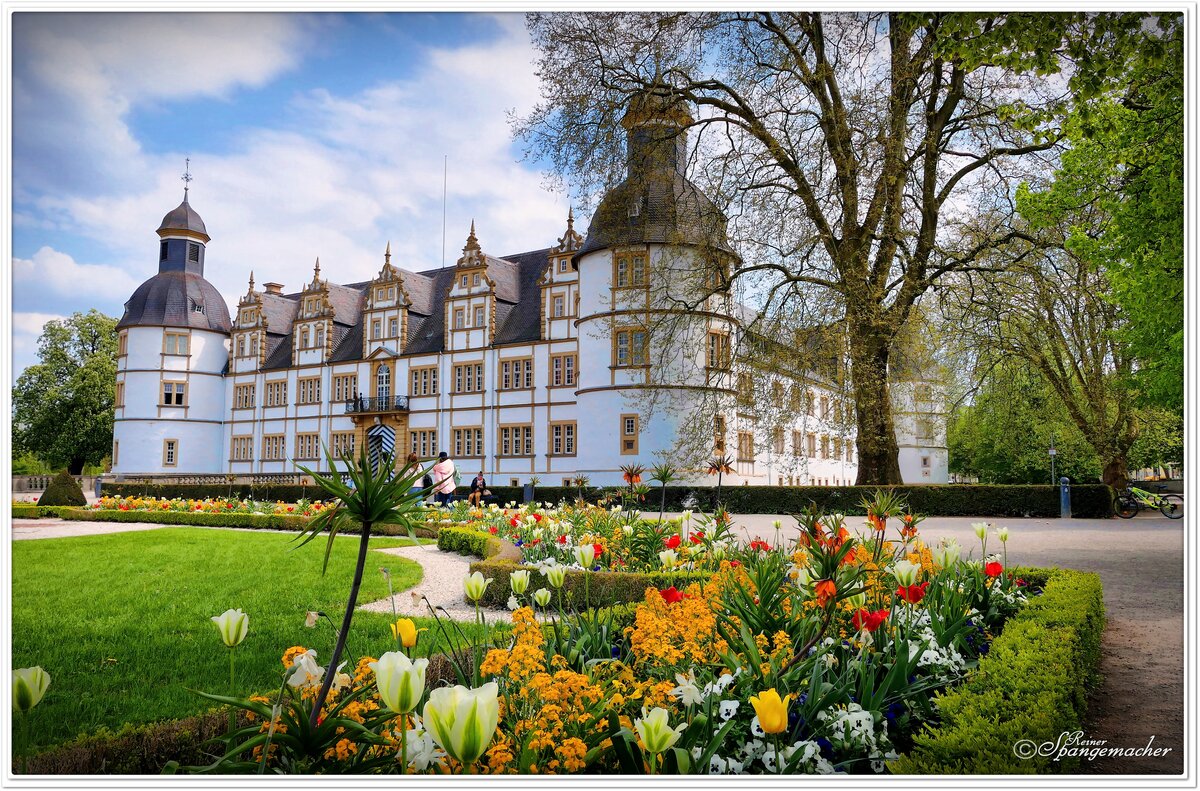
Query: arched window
{"points": [[383, 382]]}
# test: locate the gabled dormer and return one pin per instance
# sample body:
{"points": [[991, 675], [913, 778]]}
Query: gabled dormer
{"points": [[312, 329], [385, 311], [560, 285], [470, 300], [249, 333]]}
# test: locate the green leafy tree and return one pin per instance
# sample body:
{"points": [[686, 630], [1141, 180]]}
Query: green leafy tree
{"points": [[844, 147], [1125, 163], [1005, 434], [63, 405]]}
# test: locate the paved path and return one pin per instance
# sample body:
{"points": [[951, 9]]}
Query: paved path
{"points": [[441, 585]]}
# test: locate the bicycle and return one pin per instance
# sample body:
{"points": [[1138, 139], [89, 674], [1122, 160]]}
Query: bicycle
{"points": [[1132, 500]]}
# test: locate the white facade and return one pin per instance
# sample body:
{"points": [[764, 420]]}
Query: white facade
{"points": [[565, 362]]}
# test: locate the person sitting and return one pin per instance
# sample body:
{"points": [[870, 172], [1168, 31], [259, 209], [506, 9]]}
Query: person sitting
{"points": [[478, 490], [443, 479]]}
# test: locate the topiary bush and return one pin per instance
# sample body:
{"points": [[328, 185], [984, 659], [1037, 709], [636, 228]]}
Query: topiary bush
{"points": [[63, 490], [1030, 688]]}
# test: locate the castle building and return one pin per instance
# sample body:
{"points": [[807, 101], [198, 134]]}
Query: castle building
{"points": [[567, 361]]}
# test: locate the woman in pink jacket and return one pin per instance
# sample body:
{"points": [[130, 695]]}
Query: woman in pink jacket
{"points": [[443, 479]]}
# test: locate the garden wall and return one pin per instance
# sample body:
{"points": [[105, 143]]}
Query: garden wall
{"points": [[1090, 501]]}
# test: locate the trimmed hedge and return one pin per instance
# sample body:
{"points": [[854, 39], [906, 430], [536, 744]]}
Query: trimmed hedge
{"points": [[1031, 687], [208, 519], [63, 490], [600, 589], [267, 492], [1088, 501], [31, 511]]}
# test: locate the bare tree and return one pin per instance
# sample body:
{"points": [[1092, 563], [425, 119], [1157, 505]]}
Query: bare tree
{"points": [[845, 150]]}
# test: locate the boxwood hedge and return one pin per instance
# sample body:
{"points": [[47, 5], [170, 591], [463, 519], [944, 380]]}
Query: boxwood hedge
{"points": [[1031, 687], [1092, 501], [208, 519], [600, 589]]}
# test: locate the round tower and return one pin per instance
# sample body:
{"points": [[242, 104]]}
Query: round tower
{"points": [[173, 353], [650, 285]]}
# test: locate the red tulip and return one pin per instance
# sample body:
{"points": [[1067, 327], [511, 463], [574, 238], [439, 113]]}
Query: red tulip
{"points": [[869, 621], [735, 563], [993, 569], [562, 539], [697, 537], [598, 549], [537, 517], [514, 522], [673, 542], [670, 595], [493, 530], [912, 593]]}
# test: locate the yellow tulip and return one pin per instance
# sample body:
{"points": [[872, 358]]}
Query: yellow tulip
{"points": [[771, 710], [405, 631]]}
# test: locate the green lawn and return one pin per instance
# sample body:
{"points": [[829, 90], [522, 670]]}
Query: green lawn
{"points": [[121, 622]]}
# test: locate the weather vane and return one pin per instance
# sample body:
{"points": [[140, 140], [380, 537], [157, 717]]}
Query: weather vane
{"points": [[187, 175]]}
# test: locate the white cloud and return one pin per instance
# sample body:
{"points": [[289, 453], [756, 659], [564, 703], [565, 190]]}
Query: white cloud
{"points": [[342, 175], [76, 76], [32, 323], [60, 273]]}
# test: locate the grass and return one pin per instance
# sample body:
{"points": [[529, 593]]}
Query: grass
{"points": [[121, 621]]}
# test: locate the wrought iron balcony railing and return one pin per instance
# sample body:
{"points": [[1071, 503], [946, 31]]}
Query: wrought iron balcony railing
{"points": [[397, 403]]}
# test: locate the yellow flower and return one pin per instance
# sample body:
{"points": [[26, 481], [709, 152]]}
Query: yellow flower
{"points": [[771, 710], [405, 631]]}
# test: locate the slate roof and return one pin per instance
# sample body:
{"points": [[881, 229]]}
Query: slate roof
{"points": [[518, 309], [177, 299], [183, 218]]}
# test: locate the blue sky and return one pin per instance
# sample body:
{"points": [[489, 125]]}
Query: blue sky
{"points": [[309, 135]]}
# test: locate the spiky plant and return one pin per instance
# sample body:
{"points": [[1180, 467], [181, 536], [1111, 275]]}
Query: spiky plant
{"points": [[663, 474], [377, 496], [719, 466]]}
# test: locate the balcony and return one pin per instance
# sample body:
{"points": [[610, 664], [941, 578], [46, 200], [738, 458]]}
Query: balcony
{"points": [[376, 406]]}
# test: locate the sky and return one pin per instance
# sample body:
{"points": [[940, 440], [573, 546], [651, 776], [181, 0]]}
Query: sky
{"points": [[308, 136]]}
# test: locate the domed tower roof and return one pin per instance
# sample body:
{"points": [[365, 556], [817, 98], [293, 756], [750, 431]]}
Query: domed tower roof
{"points": [[177, 299], [656, 203], [179, 296], [183, 219]]}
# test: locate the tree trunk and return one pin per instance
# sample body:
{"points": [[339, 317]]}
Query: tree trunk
{"points": [[878, 453], [1116, 472], [75, 467]]}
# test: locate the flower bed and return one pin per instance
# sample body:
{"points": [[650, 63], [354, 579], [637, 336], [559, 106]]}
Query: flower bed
{"points": [[217, 505], [837, 653]]}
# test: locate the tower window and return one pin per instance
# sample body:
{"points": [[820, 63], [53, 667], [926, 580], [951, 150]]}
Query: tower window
{"points": [[193, 252], [162, 251]]}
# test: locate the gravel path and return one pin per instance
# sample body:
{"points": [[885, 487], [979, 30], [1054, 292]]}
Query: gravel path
{"points": [[441, 584], [24, 529]]}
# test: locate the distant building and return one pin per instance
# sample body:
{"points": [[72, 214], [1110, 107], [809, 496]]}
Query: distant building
{"points": [[538, 363]]}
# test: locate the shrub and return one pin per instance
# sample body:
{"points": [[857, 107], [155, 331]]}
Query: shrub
{"points": [[20, 511], [31, 511], [1090, 501], [1032, 686], [63, 490], [604, 588], [209, 519]]}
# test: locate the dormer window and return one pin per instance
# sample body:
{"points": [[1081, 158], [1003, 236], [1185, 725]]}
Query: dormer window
{"points": [[563, 263], [463, 281], [479, 315], [475, 279], [197, 307], [193, 252], [391, 292], [635, 207], [394, 328]]}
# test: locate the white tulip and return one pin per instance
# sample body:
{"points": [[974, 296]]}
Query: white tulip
{"points": [[29, 685], [519, 581], [906, 572], [668, 557], [400, 681], [463, 721], [475, 585], [233, 625]]}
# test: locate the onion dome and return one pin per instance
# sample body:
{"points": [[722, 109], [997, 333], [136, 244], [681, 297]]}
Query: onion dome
{"points": [[183, 220]]}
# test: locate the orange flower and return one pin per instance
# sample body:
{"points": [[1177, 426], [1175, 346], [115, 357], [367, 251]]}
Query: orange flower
{"points": [[826, 590]]}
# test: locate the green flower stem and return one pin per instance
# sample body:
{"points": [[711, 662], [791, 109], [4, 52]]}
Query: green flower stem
{"points": [[404, 744], [232, 693], [24, 747]]}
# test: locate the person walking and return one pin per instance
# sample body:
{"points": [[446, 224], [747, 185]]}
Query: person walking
{"points": [[443, 479], [478, 490]]}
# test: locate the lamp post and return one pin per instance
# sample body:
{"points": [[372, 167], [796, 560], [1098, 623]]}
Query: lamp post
{"points": [[1053, 455]]}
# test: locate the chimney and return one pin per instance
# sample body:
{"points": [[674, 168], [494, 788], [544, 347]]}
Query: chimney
{"points": [[273, 288]]}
